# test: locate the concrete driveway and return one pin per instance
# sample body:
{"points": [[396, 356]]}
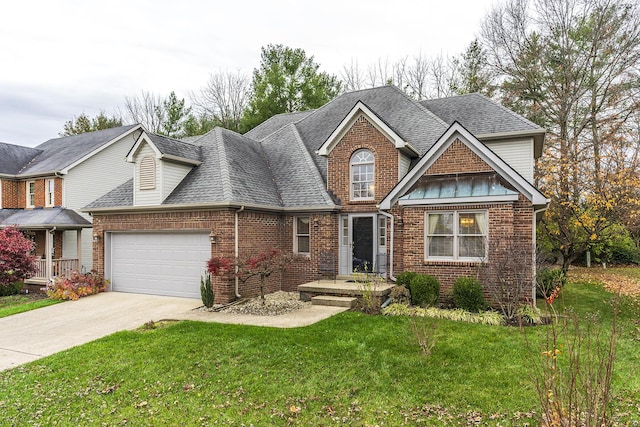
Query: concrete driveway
{"points": [[29, 336]]}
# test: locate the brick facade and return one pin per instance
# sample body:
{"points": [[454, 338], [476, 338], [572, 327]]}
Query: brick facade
{"points": [[257, 231], [510, 224], [14, 193], [509, 234]]}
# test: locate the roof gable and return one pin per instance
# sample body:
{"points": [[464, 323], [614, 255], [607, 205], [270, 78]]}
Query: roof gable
{"points": [[167, 149], [62, 154], [359, 110], [485, 118], [457, 132]]}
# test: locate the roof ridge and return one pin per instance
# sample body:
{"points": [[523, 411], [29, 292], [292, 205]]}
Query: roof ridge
{"points": [[311, 163], [420, 106], [225, 174], [309, 112], [508, 110]]}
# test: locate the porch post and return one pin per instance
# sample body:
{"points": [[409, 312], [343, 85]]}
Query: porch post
{"points": [[79, 248], [47, 254]]}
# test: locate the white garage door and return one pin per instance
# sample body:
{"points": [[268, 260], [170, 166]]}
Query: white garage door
{"points": [[159, 263]]}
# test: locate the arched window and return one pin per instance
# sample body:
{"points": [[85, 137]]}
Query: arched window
{"points": [[362, 176], [147, 173]]}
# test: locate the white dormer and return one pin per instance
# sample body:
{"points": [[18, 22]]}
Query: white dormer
{"points": [[157, 172]]}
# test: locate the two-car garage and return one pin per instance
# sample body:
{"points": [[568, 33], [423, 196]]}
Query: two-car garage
{"points": [[159, 263]]}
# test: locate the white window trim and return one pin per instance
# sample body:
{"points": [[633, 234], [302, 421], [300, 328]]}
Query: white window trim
{"points": [[28, 194], [373, 171], [382, 235], [296, 235], [50, 190], [456, 236]]}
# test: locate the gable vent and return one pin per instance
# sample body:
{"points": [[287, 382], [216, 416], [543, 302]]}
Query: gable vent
{"points": [[147, 173]]}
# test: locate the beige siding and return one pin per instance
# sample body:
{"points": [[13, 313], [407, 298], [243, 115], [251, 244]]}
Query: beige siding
{"points": [[145, 197], [516, 153], [88, 181], [404, 162], [172, 174]]}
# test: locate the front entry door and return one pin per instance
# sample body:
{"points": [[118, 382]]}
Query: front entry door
{"points": [[362, 242], [357, 243]]}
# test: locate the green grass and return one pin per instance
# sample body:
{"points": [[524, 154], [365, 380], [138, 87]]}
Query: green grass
{"points": [[351, 369], [15, 304]]}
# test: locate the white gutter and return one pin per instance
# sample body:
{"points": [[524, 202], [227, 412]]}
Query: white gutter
{"points": [[237, 252], [390, 269]]}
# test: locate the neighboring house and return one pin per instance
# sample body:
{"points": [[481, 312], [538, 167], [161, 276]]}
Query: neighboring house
{"points": [[43, 188], [371, 181]]}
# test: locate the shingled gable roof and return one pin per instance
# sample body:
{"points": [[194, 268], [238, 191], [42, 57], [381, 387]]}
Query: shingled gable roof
{"points": [[457, 131], [168, 148], [277, 165], [15, 157], [485, 118], [362, 109], [417, 125], [61, 154], [276, 123]]}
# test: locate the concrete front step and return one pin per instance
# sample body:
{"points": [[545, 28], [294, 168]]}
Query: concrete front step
{"points": [[334, 301]]}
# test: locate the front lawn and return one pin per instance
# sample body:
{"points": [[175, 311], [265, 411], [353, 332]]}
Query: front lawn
{"points": [[351, 369], [15, 304]]}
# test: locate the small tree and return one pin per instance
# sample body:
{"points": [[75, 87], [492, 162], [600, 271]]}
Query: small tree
{"points": [[16, 264], [260, 265]]}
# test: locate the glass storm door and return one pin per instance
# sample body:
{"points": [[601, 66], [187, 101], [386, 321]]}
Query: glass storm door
{"points": [[357, 243]]}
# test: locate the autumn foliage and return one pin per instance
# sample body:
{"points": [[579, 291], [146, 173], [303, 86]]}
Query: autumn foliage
{"points": [[16, 264]]}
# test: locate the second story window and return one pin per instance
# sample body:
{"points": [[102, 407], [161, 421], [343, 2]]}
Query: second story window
{"points": [[50, 192], [362, 175], [31, 194]]}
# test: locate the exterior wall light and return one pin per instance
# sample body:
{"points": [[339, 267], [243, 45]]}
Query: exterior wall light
{"points": [[213, 238]]}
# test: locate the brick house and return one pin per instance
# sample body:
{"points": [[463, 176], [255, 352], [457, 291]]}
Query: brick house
{"points": [[371, 181], [43, 188]]}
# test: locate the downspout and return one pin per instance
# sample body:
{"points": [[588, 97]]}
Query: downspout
{"points": [[390, 269], [533, 231], [237, 252]]}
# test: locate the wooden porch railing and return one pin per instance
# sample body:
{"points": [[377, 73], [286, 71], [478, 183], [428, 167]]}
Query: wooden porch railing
{"points": [[61, 267]]}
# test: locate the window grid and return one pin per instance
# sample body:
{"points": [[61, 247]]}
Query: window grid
{"points": [[362, 175], [50, 192], [302, 235], [31, 194], [456, 235]]}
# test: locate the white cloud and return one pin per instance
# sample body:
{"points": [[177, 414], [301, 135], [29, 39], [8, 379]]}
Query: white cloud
{"points": [[64, 58]]}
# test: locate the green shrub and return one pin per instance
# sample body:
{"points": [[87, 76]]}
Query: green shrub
{"points": [[424, 290], [11, 289], [548, 279], [206, 291], [404, 278], [467, 294]]}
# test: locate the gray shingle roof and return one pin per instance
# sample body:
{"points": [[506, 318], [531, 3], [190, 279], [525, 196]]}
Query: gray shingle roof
{"points": [[34, 218], [419, 126], [174, 147], [58, 153], [275, 123], [276, 166], [119, 196], [479, 114], [15, 157], [234, 170], [299, 182]]}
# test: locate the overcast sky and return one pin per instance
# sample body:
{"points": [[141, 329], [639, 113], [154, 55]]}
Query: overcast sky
{"points": [[62, 58]]}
